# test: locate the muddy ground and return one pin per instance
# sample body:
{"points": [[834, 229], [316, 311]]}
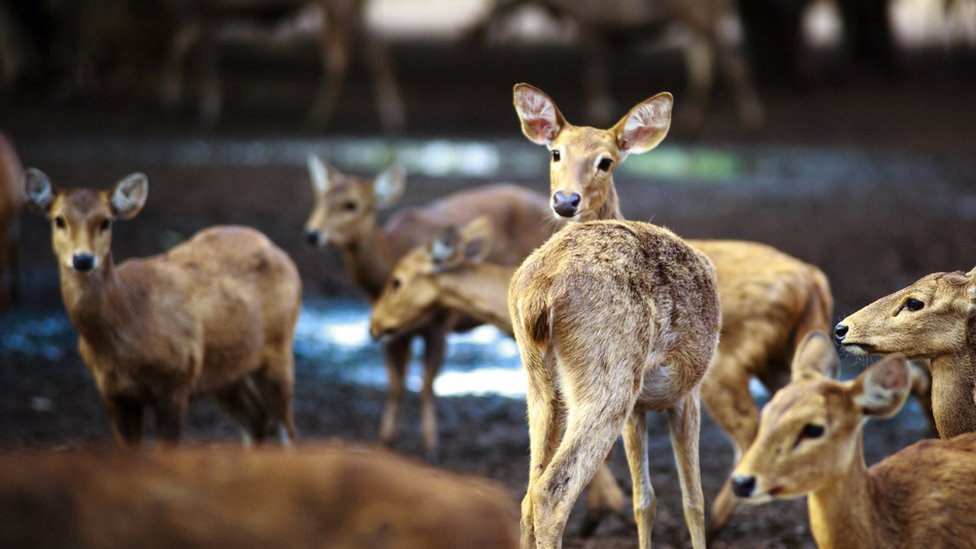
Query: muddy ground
{"points": [[870, 178]]}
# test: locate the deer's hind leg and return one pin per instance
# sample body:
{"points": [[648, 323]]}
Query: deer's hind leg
{"points": [[684, 422], [242, 403]]}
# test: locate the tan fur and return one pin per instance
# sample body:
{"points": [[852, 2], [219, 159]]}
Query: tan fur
{"points": [[920, 497], [613, 319], [213, 316], [699, 25], [11, 200], [769, 299], [319, 496], [370, 252], [942, 332]]}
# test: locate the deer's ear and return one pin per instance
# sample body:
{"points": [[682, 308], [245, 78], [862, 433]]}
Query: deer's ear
{"points": [[815, 356], [476, 239], [319, 173], [129, 195], [388, 186], [540, 118], [40, 192], [971, 289], [645, 126], [883, 388], [443, 250]]}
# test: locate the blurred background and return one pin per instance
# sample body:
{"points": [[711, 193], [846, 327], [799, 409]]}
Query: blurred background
{"points": [[841, 132]]}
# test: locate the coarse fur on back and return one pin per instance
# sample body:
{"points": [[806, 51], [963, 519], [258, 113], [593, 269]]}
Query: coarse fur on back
{"points": [[613, 319], [215, 315]]}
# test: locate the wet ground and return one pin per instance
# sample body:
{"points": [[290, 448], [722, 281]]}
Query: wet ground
{"points": [[871, 179]]}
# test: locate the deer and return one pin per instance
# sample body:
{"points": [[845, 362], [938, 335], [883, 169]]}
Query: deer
{"points": [[213, 316], [451, 272], [329, 495], [342, 33], [810, 442], [704, 41], [344, 218], [929, 320], [11, 200]]}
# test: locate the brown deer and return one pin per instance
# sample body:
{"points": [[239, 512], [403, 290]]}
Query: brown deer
{"points": [[705, 44], [345, 217], [451, 272], [213, 316], [342, 33], [931, 319], [810, 443], [613, 319], [312, 496], [11, 199], [769, 300]]}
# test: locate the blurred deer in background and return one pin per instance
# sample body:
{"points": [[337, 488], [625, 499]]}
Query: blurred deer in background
{"points": [[810, 442], [212, 316], [342, 33], [931, 319], [451, 272], [613, 319], [345, 217], [310, 496], [704, 35], [11, 199]]}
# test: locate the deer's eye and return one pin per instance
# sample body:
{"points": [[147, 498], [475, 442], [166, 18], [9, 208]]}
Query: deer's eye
{"points": [[604, 165], [59, 222], [104, 225], [396, 283], [913, 304], [350, 206], [555, 155], [809, 431]]}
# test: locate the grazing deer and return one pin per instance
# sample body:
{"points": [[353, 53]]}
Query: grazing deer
{"points": [[810, 442], [11, 198], [213, 316], [451, 272], [769, 300], [613, 319], [312, 496], [705, 43], [342, 33], [931, 319], [345, 217]]}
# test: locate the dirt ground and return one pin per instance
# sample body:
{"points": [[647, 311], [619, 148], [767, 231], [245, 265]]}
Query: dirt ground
{"points": [[872, 179]]}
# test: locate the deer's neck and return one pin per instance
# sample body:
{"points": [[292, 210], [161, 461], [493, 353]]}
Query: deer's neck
{"points": [[843, 513], [953, 388], [369, 260], [481, 291], [99, 303], [611, 206]]}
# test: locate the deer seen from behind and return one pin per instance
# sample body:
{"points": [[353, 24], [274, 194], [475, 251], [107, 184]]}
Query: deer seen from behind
{"points": [[214, 315], [345, 217], [810, 442]]}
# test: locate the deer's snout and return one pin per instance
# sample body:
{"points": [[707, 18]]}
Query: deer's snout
{"points": [[743, 486], [313, 237], [83, 262], [840, 331], [566, 205]]}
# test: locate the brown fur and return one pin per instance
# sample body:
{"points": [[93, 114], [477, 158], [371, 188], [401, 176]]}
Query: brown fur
{"points": [[213, 316], [11, 200], [942, 332], [920, 497], [319, 496], [370, 252], [613, 319], [769, 299]]}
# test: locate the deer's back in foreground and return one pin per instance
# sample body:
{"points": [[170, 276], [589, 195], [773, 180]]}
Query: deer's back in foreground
{"points": [[319, 496]]}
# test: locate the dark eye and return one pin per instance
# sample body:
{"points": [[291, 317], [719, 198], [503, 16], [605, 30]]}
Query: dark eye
{"points": [[913, 304], [604, 165], [104, 225], [811, 430], [396, 284], [59, 222], [555, 155], [350, 206]]}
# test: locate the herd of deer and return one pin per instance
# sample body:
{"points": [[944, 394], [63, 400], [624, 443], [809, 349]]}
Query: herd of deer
{"points": [[613, 319]]}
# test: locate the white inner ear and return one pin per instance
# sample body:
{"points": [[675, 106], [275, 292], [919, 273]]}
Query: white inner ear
{"points": [[39, 189], [318, 172], [440, 250], [387, 186], [129, 193], [539, 113], [653, 115]]}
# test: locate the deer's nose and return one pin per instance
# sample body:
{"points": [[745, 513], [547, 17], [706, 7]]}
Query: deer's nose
{"points": [[83, 262], [566, 205], [312, 236], [743, 486], [840, 331]]}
